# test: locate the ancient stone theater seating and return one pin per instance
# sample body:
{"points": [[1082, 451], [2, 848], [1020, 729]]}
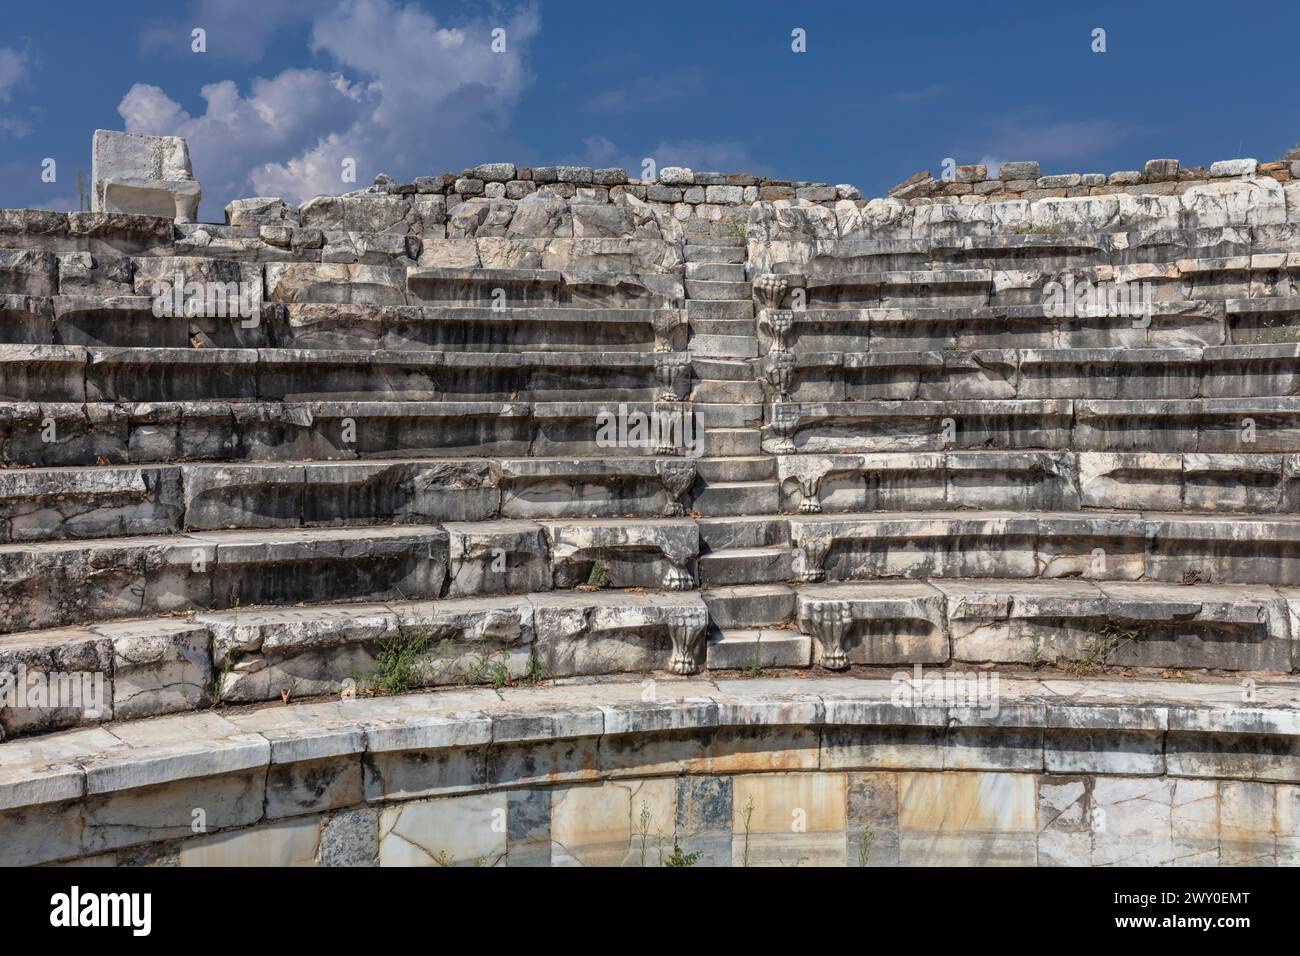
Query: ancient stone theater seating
{"points": [[532, 427]]}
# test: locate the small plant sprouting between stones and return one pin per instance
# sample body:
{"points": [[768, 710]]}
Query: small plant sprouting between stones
{"points": [[599, 576], [1035, 652], [490, 667], [397, 659], [643, 828], [755, 667], [749, 816], [444, 859], [678, 858], [1100, 646], [735, 229], [533, 674], [1040, 230], [1279, 332], [864, 848]]}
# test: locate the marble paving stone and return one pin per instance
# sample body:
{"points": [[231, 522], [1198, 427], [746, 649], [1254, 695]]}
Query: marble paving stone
{"points": [[789, 819], [1194, 823], [1064, 837], [288, 843], [350, 838], [448, 831], [1131, 821], [623, 823], [1247, 823], [528, 827], [703, 824], [872, 819], [967, 819]]}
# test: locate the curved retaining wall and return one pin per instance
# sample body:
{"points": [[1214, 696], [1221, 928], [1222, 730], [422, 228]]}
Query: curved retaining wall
{"points": [[828, 771]]}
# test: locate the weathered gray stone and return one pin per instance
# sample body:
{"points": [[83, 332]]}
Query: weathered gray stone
{"points": [[143, 175]]}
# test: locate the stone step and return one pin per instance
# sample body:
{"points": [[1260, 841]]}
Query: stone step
{"points": [[731, 566], [714, 271], [56, 584], [721, 370], [713, 242], [748, 531], [729, 414], [53, 373], [747, 468], [750, 606], [1069, 623], [1102, 546], [42, 504], [1232, 371], [749, 393], [62, 583], [102, 433], [714, 290], [965, 327], [729, 327], [1038, 480], [736, 498], [714, 254], [128, 321], [161, 665], [758, 648], [1141, 286], [1222, 425], [729, 442], [697, 309], [724, 346]]}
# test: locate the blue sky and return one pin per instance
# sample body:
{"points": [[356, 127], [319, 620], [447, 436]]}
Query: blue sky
{"points": [[289, 87]]}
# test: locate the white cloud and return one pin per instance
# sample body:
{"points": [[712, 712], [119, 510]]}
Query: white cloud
{"points": [[410, 96], [14, 66]]}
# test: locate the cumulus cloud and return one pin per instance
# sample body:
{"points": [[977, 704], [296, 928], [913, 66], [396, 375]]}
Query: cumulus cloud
{"points": [[15, 65], [407, 95]]}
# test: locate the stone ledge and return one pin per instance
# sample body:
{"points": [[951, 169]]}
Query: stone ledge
{"points": [[1048, 724]]}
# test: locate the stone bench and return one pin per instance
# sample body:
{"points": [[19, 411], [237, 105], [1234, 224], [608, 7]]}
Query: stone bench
{"points": [[54, 584], [1209, 549], [1041, 622]]}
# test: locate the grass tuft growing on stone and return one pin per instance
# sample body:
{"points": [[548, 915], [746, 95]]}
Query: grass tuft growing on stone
{"points": [[397, 660]]}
